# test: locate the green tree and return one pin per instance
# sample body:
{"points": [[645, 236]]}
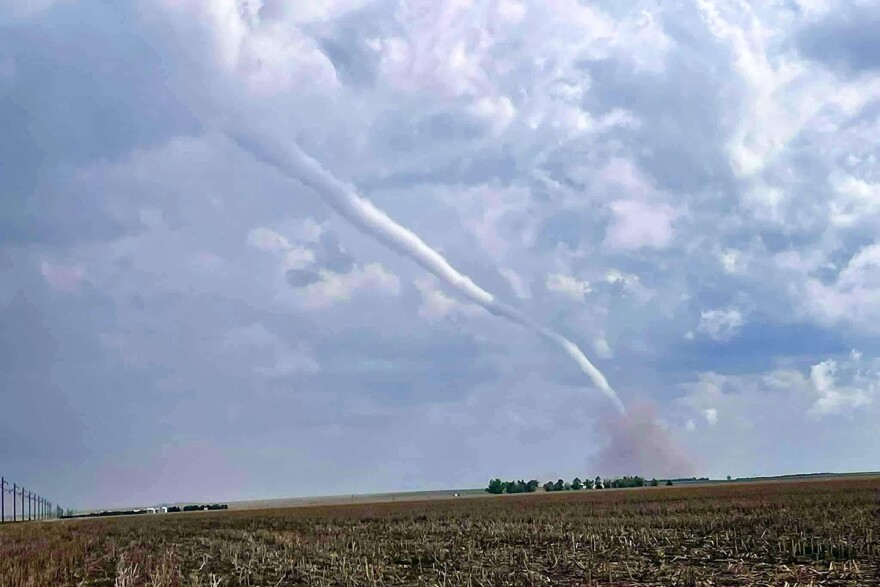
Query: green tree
{"points": [[532, 486], [728, 477], [496, 487], [576, 484], [654, 483], [559, 485], [669, 483], [548, 486], [597, 484]]}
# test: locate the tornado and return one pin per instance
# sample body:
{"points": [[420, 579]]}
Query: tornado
{"points": [[291, 161]]}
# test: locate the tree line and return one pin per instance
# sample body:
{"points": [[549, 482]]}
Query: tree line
{"points": [[497, 486]]}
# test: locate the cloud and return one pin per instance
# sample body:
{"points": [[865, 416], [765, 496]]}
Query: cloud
{"points": [[631, 285], [600, 345], [854, 294], [301, 277], [721, 324], [730, 260], [835, 398], [436, 305], [267, 240], [639, 225], [498, 112], [627, 279], [856, 200], [333, 287], [783, 379], [783, 94], [567, 286], [317, 250], [711, 415], [844, 38]]}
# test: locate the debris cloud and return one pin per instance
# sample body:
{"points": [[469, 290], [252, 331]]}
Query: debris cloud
{"points": [[639, 444]]}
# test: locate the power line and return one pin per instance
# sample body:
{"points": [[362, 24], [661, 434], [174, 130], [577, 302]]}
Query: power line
{"points": [[38, 507]]}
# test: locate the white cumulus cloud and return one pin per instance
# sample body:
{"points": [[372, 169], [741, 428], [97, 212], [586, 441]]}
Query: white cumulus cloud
{"points": [[721, 324], [711, 415], [639, 225], [834, 397], [567, 286], [333, 287]]}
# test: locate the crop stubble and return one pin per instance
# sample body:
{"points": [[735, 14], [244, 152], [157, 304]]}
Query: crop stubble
{"points": [[798, 533]]}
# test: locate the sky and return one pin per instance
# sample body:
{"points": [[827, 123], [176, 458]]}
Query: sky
{"points": [[689, 191]]}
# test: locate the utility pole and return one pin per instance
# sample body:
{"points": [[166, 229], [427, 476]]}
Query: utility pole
{"points": [[22, 504], [13, 501], [2, 500]]}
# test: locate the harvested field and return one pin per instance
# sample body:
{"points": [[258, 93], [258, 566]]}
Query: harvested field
{"points": [[800, 533]]}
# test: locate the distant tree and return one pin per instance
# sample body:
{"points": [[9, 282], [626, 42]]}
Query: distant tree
{"points": [[654, 483], [532, 486], [597, 484], [627, 481], [496, 486], [548, 486], [567, 486], [608, 483], [588, 484], [728, 477], [559, 485], [577, 484], [669, 483]]}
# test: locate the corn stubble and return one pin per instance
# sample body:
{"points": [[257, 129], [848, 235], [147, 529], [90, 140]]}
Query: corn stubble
{"points": [[803, 533]]}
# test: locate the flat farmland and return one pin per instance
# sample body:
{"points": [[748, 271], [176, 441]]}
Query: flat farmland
{"points": [[794, 533]]}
